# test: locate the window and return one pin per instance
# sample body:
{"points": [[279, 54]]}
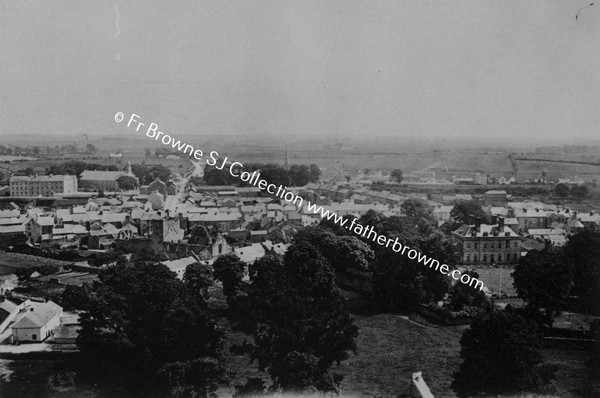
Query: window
{"points": [[220, 248], [507, 244], [476, 245], [499, 258], [474, 258], [485, 258], [516, 245], [493, 245], [468, 258], [485, 245], [491, 258], [468, 245]]}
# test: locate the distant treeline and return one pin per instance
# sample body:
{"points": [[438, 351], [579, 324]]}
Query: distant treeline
{"points": [[145, 173], [297, 175], [559, 161]]}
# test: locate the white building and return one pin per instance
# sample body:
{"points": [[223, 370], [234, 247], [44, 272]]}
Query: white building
{"points": [[36, 321]]}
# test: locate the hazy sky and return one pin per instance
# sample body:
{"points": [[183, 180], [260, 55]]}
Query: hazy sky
{"points": [[401, 68]]}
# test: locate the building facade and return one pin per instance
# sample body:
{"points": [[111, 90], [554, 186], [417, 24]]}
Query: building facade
{"points": [[42, 185], [487, 244]]}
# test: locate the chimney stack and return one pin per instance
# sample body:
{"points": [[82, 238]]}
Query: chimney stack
{"points": [[500, 222], [478, 222]]}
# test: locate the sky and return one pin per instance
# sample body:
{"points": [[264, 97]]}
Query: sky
{"points": [[503, 70]]}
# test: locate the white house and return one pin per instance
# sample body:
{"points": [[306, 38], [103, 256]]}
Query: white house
{"points": [[36, 321]]}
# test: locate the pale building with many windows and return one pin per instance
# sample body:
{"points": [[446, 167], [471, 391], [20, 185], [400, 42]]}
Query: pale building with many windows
{"points": [[487, 244], [42, 185]]}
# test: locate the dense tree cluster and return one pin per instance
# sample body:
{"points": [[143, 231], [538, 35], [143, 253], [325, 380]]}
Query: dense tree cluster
{"points": [[397, 175], [577, 191], [301, 325], [229, 270], [127, 183], [76, 167], [546, 279], [147, 331], [464, 209], [401, 284], [501, 352], [148, 173], [297, 175]]}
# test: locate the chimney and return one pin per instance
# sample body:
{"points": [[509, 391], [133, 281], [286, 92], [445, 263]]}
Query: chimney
{"points": [[477, 222], [494, 219], [470, 219], [500, 222]]}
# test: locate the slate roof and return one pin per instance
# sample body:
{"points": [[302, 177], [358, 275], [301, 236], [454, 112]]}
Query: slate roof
{"points": [[37, 315], [93, 175]]}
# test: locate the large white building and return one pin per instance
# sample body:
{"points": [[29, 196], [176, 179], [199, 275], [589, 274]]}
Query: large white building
{"points": [[42, 185], [36, 321]]}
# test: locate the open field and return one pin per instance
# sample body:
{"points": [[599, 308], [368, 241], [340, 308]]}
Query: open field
{"points": [[9, 262], [529, 169], [390, 349], [497, 280]]}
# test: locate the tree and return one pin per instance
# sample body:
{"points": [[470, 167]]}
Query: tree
{"points": [[342, 252], [580, 191], [214, 176], [275, 174], [127, 183], [400, 283], [465, 208], [159, 171], [91, 148], [145, 332], [314, 173], [229, 269], [198, 277], [28, 171], [299, 175], [544, 280], [75, 297], [397, 175], [562, 190], [462, 295], [418, 214], [501, 355], [302, 328], [582, 253]]}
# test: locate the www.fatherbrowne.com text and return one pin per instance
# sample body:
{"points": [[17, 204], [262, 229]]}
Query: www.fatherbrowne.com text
{"points": [[235, 169]]}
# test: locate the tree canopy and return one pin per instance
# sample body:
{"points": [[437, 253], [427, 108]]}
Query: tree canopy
{"points": [[397, 175], [582, 253], [144, 331], [301, 328], [229, 269], [501, 355], [544, 280], [297, 175], [127, 183], [465, 208]]}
